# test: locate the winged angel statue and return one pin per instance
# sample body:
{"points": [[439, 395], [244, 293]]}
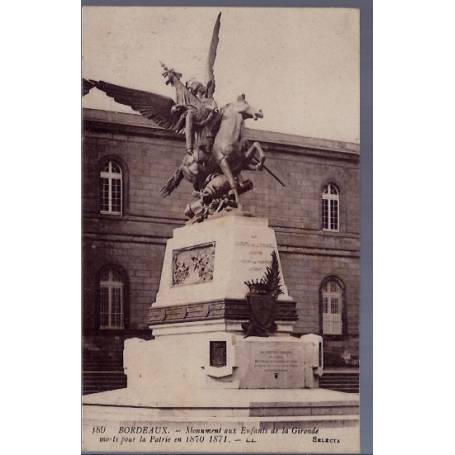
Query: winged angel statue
{"points": [[216, 149]]}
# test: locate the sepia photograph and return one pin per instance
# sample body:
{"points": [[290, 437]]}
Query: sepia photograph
{"points": [[188, 219], [221, 228]]}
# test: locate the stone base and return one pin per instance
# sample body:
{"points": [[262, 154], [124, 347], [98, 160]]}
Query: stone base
{"points": [[200, 385], [210, 262], [193, 355], [297, 421]]}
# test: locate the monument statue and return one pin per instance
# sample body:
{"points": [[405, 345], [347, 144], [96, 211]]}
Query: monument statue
{"points": [[224, 348], [216, 150]]}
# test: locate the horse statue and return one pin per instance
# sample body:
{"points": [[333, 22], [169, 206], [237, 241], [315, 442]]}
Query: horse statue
{"points": [[216, 175], [216, 150]]}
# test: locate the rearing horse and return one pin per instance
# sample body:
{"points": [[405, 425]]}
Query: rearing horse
{"points": [[230, 155], [228, 147]]}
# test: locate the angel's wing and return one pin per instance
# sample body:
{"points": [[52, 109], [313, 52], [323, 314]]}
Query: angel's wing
{"points": [[212, 57], [151, 105], [86, 86]]}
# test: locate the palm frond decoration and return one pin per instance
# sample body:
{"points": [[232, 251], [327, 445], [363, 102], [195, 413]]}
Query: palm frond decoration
{"points": [[270, 283], [272, 277]]}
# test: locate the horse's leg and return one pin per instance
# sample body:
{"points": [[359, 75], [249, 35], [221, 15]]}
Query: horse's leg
{"points": [[224, 165]]}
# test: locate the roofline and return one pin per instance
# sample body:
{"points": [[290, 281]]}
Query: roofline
{"points": [[272, 137]]}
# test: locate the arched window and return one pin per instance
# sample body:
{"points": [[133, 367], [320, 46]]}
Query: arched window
{"points": [[330, 208], [332, 293], [111, 188], [111, 299]]}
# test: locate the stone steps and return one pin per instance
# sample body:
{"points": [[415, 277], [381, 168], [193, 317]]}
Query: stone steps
{"points": [[100, 381], [342, 382], [102, 371], [102, 366]]}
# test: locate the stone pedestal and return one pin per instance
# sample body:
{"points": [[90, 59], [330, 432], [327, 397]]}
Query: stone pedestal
{"points": [[200, 308], [210, 261], [200, 369], [203, 277], [222, 360]]}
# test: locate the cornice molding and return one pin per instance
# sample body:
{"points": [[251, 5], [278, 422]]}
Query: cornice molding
{"points": [[134, 125]]}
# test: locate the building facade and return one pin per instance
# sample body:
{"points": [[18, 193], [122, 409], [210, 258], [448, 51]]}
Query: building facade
{"points": [[316, 217]]}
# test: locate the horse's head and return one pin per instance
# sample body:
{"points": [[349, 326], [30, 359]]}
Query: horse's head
{"points": [[245, 109]]}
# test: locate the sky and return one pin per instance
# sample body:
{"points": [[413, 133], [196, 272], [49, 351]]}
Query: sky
{"points": [[299, 65]]}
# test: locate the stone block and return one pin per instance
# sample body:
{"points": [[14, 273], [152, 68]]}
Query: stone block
{"points": [[211, 261], [204, 357]]}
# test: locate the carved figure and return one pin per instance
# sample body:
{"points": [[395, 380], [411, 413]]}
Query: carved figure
{"points": [[199, 117]]}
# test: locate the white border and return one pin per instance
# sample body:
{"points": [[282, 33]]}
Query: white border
{"points": [[413, 228]]}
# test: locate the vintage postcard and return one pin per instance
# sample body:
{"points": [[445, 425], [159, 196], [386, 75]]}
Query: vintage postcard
{"points": [[221, 170]]}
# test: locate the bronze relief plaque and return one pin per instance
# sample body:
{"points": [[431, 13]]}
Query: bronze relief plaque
{"points": [[193, 265]]}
